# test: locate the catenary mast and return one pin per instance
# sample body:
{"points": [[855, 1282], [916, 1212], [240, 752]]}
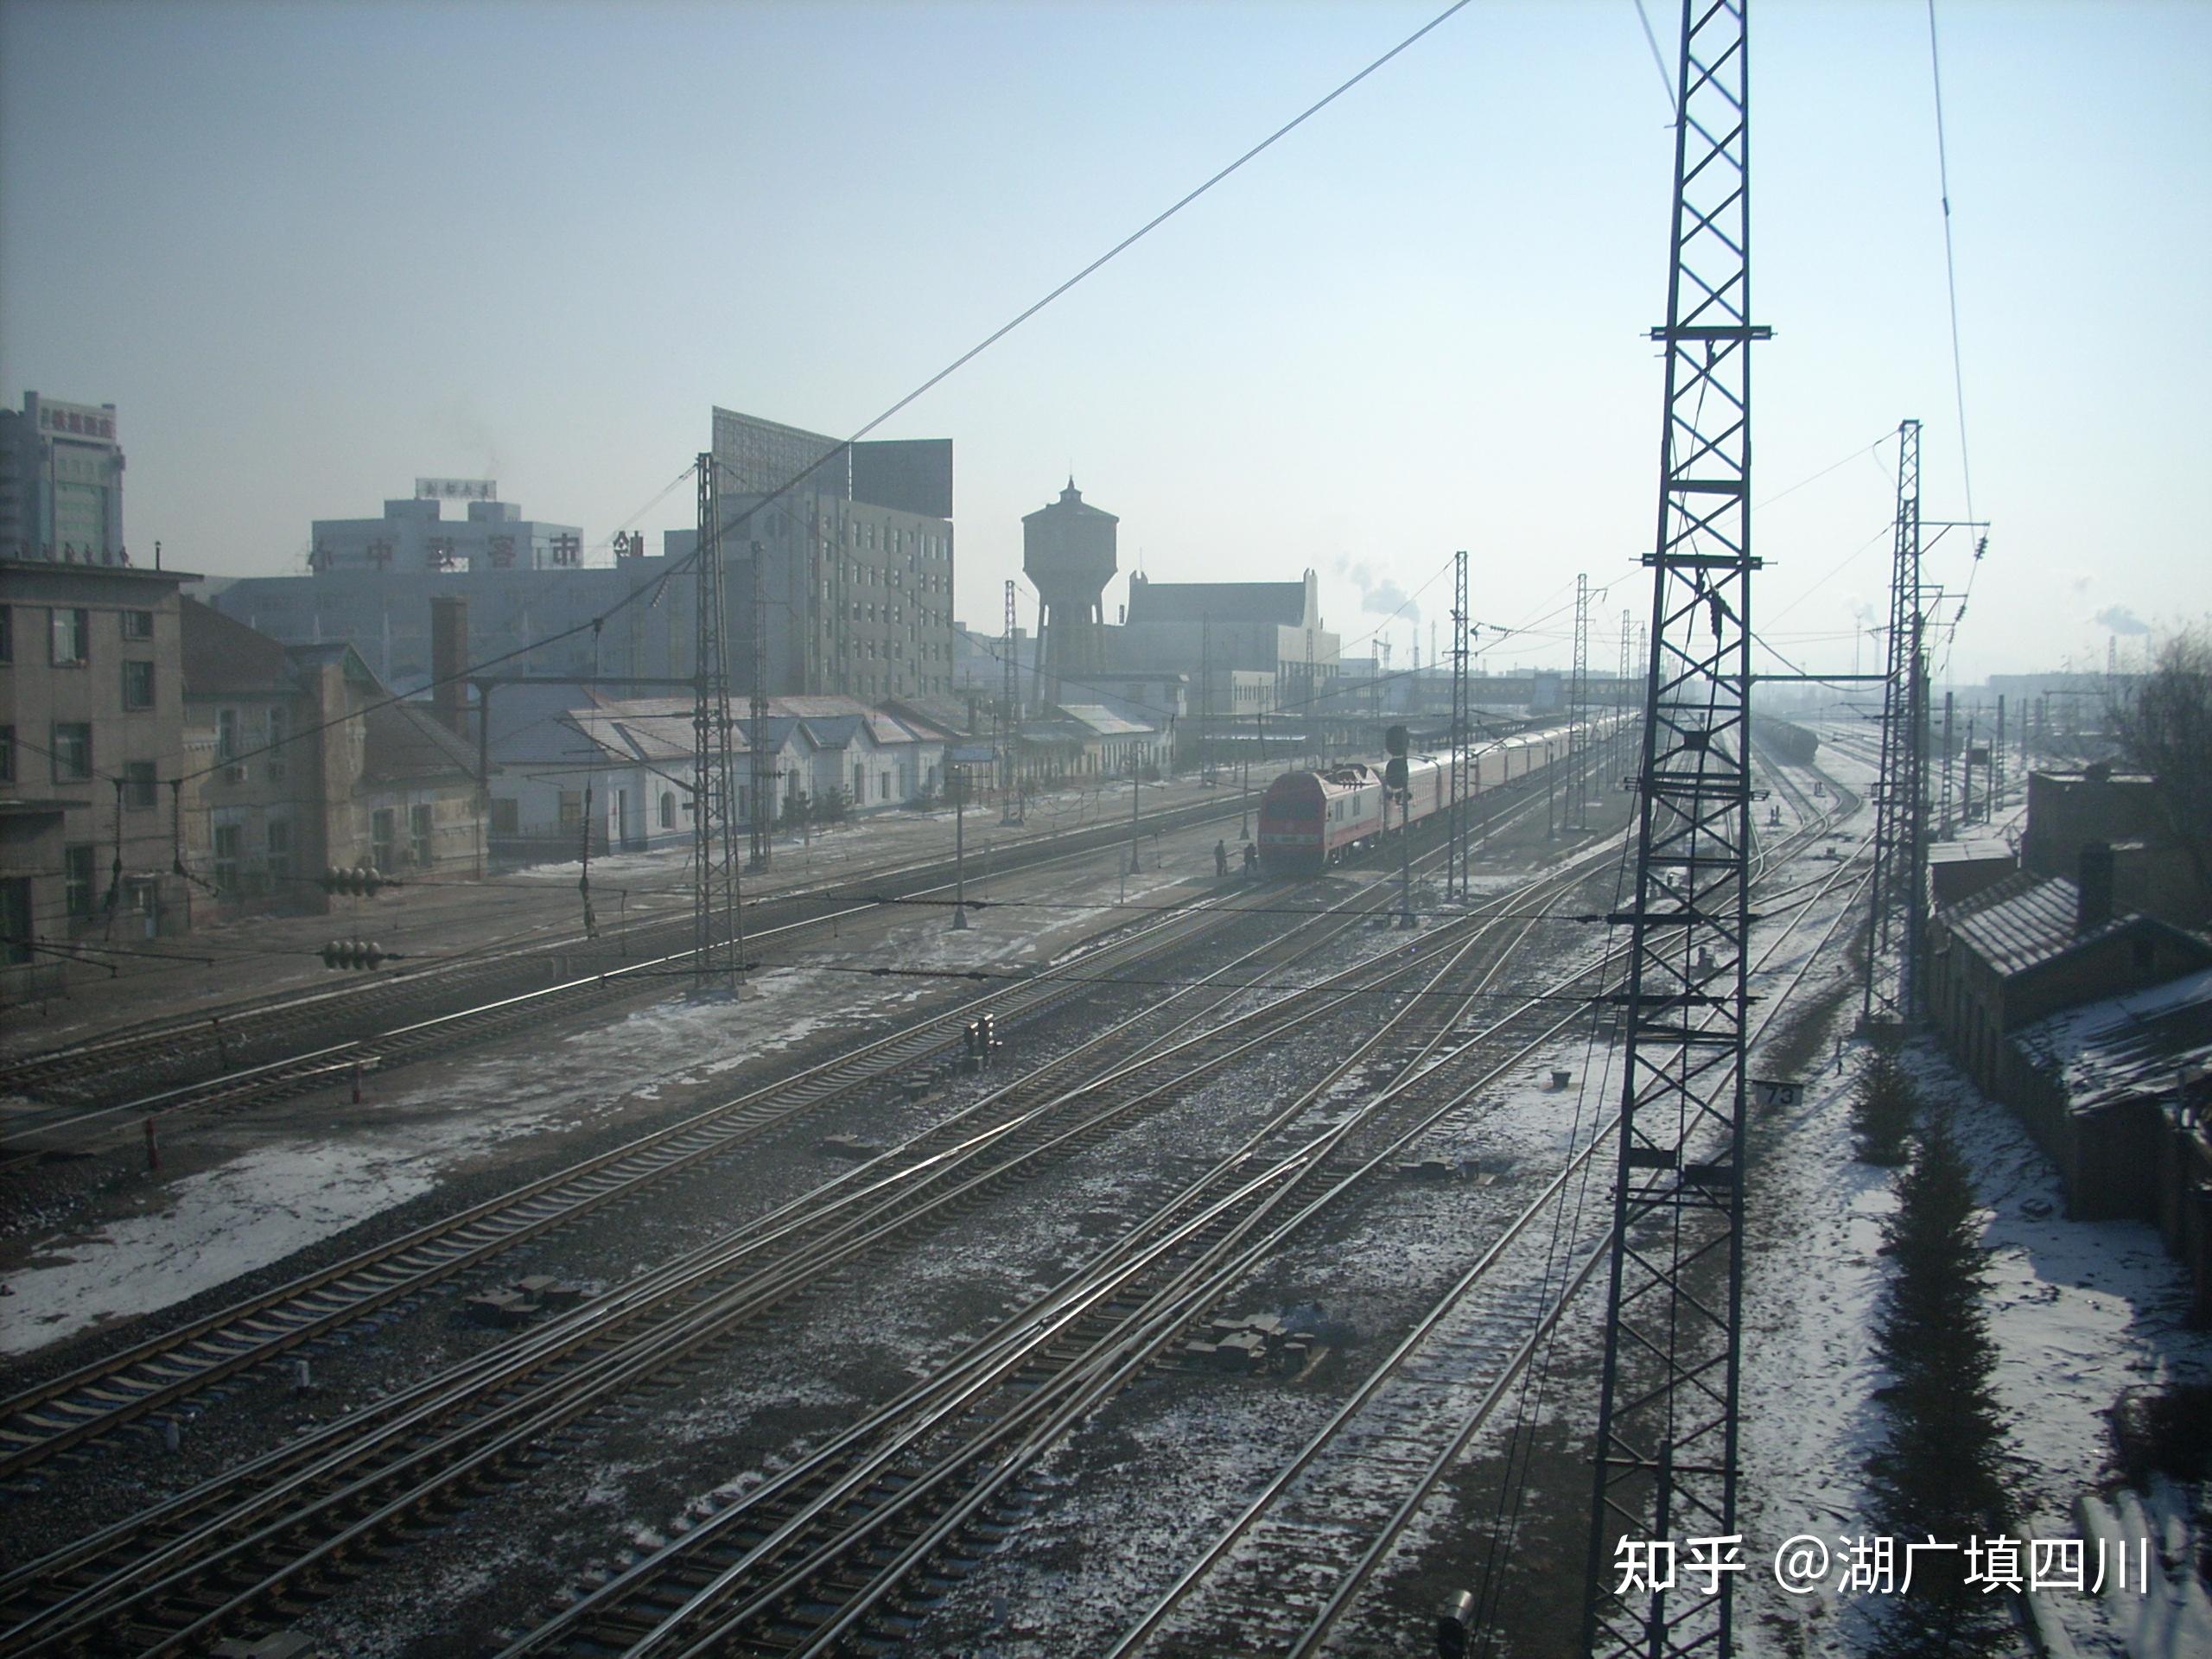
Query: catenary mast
{"points": [[1901, 792], [1665, 1450]]}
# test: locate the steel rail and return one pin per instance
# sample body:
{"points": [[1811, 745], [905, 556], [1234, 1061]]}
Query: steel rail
{"points": [[213, 1037], [1038, 1326], [1247, 1616], [564, 1195], [72, 1560]]}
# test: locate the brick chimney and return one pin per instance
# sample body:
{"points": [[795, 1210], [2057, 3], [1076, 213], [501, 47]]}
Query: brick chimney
{"points": [[450, 661], [2096, 885]]}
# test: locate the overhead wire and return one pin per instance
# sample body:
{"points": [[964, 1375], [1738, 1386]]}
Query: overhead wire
{"points": [[1958, 362], [676, 567]]}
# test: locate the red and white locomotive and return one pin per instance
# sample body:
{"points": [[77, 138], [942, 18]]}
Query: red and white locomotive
{"points": [[1309, 820]]}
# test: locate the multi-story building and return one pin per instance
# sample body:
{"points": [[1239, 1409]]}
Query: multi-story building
{"points": [[92, 751], [301, 760], [60, 483], [854, 559], [414, 535], [1259, 627], [855, 578], [648, 627]]}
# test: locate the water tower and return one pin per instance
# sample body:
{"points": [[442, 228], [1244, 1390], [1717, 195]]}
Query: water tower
{"points": [[1067, 553]]}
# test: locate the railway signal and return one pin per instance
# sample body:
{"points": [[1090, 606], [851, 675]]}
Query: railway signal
{"points": [[980, 1039], [356, 953], [1393, 768], [361, 883]]}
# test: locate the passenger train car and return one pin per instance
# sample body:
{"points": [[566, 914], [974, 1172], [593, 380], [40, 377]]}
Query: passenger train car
{"points": [[1309, 820]]}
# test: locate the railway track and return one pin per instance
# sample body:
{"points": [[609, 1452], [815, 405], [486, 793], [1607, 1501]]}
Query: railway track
{"points": [[819, 1558], [154, 1376], [929, 1177], [1290, 1566], [158, 1374], [266, 1050]]}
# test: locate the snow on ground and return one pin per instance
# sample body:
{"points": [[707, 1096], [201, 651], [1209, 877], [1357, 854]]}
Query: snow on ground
{"points": [[2081, 1312], [268, 1202]]}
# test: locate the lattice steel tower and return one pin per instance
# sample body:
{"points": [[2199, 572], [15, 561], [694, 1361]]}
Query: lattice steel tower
{"points": [[1666, 1465], [1578, 736], [1462, 728], [717, 939], [761, 823], [1010, 699], [1900, 879]]}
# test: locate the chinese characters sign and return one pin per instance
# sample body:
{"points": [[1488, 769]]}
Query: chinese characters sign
{"points": [[457, 489], [76, 421]]}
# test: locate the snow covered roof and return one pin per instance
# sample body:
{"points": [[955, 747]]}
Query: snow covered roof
{"points": [[2126, 1044], [1102, 721], [2024, 921]]}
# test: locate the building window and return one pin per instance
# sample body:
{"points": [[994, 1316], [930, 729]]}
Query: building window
{"points": [[419, 823], [668, 809], [7, 755], [506, 818], [78, 867], [6, 633], [280, 850], [72, 640], [572, 808], [384, 839], [138, 685], [230, 842], [137, 624], [280, 732], [138, 785], [72, 751], [16, 929]]}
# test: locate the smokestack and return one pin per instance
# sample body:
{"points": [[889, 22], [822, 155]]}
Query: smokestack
{"points": [[2096, 885], [449, 661]]}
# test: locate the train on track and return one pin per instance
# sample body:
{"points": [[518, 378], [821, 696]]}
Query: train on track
{"points": [[1309, 820], [1793, 743]]}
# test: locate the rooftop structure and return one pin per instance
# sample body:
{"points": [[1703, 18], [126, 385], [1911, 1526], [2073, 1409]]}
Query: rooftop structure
{"points": [[1068, 554], [60, 483], [414, 535]]}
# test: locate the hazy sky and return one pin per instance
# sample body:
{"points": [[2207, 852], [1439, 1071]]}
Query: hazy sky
{"points": [[313, 250]]}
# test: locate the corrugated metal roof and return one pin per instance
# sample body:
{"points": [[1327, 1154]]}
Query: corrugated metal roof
{"points": [[1102, 721], [2024, 920], [2126, 1044]]}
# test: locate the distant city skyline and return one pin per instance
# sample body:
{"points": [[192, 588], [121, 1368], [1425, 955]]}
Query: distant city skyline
{"points": [[311, 254]]}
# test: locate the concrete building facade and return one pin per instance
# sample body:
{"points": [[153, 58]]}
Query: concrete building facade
{"points": [[1261, 627], [301, 760], [649, 629], [854, 564], [1068, 553], [414, 535], [855, 574], [60, 483], [92, 743]]}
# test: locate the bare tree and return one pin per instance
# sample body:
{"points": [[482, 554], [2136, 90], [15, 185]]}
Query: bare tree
{"points": [[2164, 725]]}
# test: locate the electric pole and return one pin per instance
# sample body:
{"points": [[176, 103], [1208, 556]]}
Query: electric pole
{"points": [[1667, 1422], [717, 924], [1462, 736], [763, 777], [1901, 788], [1010, 700], [1578, 736]]}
